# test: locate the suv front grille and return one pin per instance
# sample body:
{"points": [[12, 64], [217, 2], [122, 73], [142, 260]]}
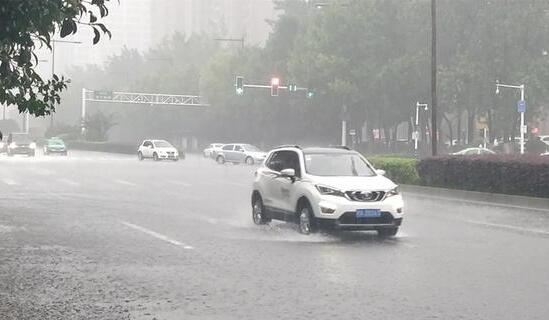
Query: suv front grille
{"points": [[365, 196], [350, 218]]}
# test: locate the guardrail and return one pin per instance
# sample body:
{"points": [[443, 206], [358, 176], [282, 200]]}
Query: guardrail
{"points": [[540, 204]]}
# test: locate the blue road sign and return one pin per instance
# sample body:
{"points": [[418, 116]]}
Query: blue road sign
{"points": [[521, 106]]}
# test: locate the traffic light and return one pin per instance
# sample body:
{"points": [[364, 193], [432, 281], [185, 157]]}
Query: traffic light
{"points": [[310, 93], [275, 82], [240, 86]]}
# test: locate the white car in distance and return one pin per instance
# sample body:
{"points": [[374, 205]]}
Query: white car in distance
{"points": [[240, 153], [157, 150], [212, 150]]}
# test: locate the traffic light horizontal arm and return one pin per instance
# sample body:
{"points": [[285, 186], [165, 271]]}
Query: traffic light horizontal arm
{"points": [[268, 87]]}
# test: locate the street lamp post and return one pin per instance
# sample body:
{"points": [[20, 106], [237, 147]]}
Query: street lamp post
{"points": [[344, 114], [416, 132], [521, 109]]}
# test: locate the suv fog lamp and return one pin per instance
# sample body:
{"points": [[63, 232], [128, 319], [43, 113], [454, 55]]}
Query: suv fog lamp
{"points": [[327, 208]]}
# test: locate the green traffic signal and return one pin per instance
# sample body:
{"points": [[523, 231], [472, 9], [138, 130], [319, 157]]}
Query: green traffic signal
{"points": [[310, 93], [292, 87], [240, 86]]}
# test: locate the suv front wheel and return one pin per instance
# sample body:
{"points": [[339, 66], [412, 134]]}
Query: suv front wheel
{"points": [[306, 221], [258, 212]]}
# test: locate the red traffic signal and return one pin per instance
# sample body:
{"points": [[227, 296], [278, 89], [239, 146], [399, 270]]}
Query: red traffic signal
{"points": [[275, 82]]}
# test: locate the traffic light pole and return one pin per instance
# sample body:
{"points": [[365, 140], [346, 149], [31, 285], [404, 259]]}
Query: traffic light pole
{"points": [[262, 86]]}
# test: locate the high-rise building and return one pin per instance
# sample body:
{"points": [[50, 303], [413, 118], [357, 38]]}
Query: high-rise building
{"points": [[140, 24], [216, 18], [130, 23]]}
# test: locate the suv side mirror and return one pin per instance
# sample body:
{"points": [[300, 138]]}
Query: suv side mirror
{"points": [[381, 172], [287, 173]]}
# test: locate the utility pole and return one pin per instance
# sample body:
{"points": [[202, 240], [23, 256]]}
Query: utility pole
{"points": [[434, 130]]}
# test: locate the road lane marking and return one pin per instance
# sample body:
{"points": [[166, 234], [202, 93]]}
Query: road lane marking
{"points": [[41, 171], [237, 184], [70, 182], [225, 183], [486, 203], [181, 183], [126, 183], [157, 235], [9, 182], [508, 227]]}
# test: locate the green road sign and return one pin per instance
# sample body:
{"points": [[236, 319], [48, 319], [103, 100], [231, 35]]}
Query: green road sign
{"points": [[102, 95]]}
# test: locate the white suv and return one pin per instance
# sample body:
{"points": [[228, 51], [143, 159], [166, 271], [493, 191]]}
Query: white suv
{"points": [[325, 188]]}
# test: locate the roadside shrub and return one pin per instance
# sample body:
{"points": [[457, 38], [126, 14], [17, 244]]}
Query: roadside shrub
{"points": [[526, 175], [400, 170], [102, 147]]}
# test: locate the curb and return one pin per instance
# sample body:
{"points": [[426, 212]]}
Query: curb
{"points": [[540, 204]]}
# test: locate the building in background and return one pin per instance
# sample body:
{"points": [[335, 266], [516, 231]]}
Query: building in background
{"points": [[141, 24], [216, 18], [130, 23]]}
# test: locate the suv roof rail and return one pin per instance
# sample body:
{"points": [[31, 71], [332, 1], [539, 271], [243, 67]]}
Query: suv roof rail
{"points": [[288, 146], [341, 147]]}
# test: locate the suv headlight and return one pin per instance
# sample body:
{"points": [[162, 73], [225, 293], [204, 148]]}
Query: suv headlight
{"points": [[12, 145], [329, 191], [392, 192], [32, 145]]}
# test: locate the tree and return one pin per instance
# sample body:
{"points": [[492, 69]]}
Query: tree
{"points": [[98, 126], [28, 25]]}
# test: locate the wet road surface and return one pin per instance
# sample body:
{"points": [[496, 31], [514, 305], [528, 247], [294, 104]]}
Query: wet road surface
{"points": [[100, 236]]}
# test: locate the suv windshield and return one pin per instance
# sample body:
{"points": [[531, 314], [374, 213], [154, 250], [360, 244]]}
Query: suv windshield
{"points": [[337, 164], [21, 138], [162, 144]]}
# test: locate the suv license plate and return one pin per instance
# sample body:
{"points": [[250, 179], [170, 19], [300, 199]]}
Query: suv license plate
{"points": [[368, 213]]}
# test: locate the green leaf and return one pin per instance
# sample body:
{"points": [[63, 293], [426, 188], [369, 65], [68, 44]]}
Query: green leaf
{"points": [[97, 36], [66, 28]]}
